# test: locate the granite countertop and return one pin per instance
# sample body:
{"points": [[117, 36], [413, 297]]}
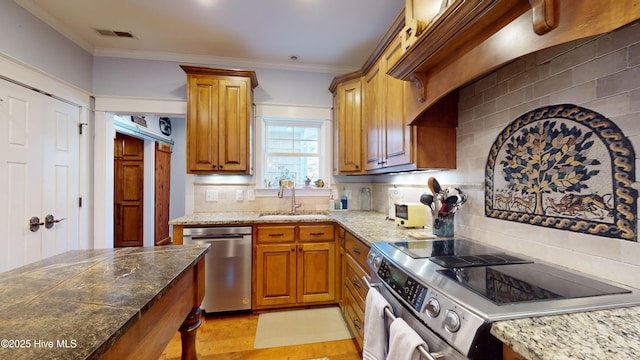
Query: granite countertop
{"points": [[603, 334], [368, 226], [77, 304]]}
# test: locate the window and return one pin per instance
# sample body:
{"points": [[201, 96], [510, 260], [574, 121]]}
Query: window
{"points": [[293, 150]]}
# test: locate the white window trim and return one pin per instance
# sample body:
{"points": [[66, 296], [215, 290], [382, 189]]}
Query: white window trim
{"points": [[293, 112]]}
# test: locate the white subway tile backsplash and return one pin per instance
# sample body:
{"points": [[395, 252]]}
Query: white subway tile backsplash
{"points": [[592, 73]]}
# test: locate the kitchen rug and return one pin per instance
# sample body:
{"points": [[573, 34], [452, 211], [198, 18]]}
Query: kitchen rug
{"points": [[296, 327]]}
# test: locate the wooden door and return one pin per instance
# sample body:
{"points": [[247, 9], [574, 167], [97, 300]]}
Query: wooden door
{"points": [[202, 123], [275, 274], [398, 140], [162, 193], [316, 272], [128, 190], [233, 125], [39, 163], [350, 126]]}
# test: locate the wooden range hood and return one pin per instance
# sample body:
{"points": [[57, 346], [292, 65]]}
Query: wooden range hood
{"points": [[471, 38]]}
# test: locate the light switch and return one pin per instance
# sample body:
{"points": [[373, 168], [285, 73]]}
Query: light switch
{"points": [[251, 195], [211, 195], [239, 195]]}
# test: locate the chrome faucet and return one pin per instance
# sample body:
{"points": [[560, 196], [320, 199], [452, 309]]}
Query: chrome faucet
{"points": [[294, 206]]}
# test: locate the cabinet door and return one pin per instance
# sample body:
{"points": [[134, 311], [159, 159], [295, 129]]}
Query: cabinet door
{"points": [[233, 125], [350, 127], [275, 274], [398, 140], [316, 272], [202, 123], [372, 118]]}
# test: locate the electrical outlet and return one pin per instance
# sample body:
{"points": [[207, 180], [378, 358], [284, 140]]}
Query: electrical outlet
{"points": [[211, 195], [348, 194], [251, 195], [239, 195]]}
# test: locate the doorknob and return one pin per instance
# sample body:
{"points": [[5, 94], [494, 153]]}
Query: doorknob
{"points": [[49, 221], [34, 224]]}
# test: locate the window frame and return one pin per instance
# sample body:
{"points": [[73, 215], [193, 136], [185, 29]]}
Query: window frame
{"points": [[293, 114]]}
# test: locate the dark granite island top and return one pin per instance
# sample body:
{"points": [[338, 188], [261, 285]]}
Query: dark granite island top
{"points": [[108, 303]]}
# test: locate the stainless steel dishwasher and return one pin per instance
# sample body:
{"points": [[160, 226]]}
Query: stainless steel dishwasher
{"points": [[228, 266]]}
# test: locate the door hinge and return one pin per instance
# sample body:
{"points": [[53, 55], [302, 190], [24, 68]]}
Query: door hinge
{"points": [[80, 201], [80, 127]]}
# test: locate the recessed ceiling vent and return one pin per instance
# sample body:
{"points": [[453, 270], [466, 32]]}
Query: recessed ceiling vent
{"points": [[122, 34]]}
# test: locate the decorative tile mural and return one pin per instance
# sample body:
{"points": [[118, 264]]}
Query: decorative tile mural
{"points": [[564, 167]]}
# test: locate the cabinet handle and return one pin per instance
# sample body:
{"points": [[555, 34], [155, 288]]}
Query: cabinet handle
{"points": [[274, 235], [356, 323], [356, 251], [356, 283], [214, 165], [220, 166], [293, 249], [317, 233]]}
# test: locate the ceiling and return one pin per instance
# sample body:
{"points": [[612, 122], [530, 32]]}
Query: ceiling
{"points": [[326, 35]]}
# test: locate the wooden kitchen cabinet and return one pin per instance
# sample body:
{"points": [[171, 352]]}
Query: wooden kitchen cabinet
{"points": [[219, 120], [348, 129], [294, 270], [354, 289], [388, 136]]}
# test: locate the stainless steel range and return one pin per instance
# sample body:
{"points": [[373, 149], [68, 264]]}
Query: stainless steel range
{"points": [[451, 291]]}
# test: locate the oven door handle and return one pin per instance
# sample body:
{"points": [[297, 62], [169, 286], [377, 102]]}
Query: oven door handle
{"points": [[421, 349]]}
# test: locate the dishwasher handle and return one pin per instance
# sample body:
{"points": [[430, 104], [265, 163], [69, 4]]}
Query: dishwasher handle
{"points": [[217, 232], [214, 238]]}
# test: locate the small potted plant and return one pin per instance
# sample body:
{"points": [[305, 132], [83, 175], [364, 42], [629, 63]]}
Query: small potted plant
{"points": [[307, 180]]}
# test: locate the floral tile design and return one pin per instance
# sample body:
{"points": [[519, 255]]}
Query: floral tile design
{"points": [[565, 167]]}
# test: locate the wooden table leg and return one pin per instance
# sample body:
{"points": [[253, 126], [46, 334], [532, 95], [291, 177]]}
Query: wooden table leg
{"points": [[188, 334]]}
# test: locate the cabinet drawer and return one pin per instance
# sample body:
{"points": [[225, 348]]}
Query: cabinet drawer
{"points": [[357, 249], [316, 232], [355, 317], [274, 234], [353, 281]]}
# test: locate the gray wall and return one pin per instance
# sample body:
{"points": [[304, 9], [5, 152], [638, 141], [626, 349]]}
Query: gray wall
{"points": [[29, 40], [166, 80]]}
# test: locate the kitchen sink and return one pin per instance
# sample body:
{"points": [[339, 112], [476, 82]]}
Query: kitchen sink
{"points": [[290, 216]]}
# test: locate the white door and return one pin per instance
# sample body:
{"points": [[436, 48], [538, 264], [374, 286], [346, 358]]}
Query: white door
{"points": [[39, 163]]}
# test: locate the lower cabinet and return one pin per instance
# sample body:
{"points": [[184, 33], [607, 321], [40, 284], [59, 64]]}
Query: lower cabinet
{"points": [[354, 289], [509, 354], [295, 265]]}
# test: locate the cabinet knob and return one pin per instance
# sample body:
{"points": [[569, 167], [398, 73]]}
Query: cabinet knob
{"points": [[220, 166]]}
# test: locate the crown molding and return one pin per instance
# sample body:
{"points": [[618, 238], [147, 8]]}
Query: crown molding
{"points": [[218, 60]]}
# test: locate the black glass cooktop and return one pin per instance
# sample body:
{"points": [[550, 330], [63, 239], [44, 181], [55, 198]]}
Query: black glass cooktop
{"points": [[456, 253], [500, 277], [508, 284]]}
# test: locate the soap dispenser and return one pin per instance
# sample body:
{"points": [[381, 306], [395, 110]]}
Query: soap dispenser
{"points": [[343, 198]]}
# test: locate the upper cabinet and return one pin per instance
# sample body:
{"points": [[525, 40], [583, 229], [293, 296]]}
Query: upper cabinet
{"points": [[348, 130], [388, 136], [372, 128], [219, 120]]}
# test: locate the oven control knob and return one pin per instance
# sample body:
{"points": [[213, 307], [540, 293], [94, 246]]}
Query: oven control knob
{"points": [[433, 307], [452, 321], [376, 261]]}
